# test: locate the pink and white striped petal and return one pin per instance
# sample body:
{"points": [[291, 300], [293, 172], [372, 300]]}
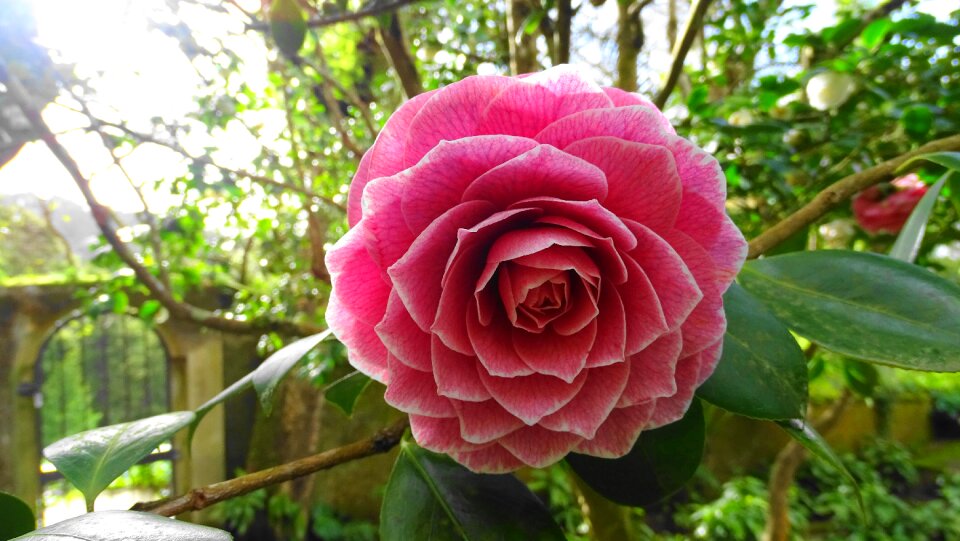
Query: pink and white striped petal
{"points": [[436, 184], [618, 434], [413, 391], [451, 114], [402, 337], [586, 412], [653, 371], [535, 101], [643, 181], [490, 459], [543, 171], [538, 447], [385, 157], [456, 374], [484, 422], [441, 435], [532, 397]]}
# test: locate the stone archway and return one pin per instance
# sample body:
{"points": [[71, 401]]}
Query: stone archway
{"points": [[28, 317]]}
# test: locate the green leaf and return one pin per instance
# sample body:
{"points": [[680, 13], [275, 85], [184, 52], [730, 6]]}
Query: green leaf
{"points": [[429, 496], [659, 464], [148, 309], [532, 22], [917, 120], [860, 376], [910, 237], [344, 392], [814, 442], [91, 460], [16, 517], [126, 526], [950, 160], [762, 373], [288, 26], [120, 302], [863, 305], [269, 374], [875, 32]]}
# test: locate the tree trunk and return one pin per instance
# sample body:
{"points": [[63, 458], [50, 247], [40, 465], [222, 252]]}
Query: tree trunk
{"points": [[391, 35], [523, 46], [629, 43], [564, 21]]}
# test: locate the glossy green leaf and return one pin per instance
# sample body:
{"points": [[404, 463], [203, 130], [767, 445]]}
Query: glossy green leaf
{"points": [[908, 241], [762, 373], [16, 517], [917, 120], [344, 392], [126, 526], [864, 305], [429, 496], [814, 442], [950, 160], [288, 26], [91, 460], [660, 463], [269, 374], [148, 309], [875, 33], [860, 376]]}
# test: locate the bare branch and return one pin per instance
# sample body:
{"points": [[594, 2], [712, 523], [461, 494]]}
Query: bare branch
{"points": [[204, 160], [680, 49], [838, 192], [102, 216], [200, 498]]}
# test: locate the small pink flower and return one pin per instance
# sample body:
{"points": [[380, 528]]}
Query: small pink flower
{"points": [[535, 267], [885, 208]]}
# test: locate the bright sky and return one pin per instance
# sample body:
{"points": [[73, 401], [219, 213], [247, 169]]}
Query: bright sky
{"points": [[142, 73]]}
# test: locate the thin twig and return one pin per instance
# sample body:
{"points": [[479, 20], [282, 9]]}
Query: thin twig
{"points": [[204, 160], [376, 9], [694, 21], [838, 192], [200, 498], [102, 216]]}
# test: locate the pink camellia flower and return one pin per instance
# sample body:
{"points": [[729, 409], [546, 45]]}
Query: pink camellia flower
{"points": [[885, 208], [535, 266]]}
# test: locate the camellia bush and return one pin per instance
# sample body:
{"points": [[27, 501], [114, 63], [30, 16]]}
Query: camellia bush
{"points": [[540, 270]]}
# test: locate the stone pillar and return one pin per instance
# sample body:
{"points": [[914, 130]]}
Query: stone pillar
{"points": [[196, 375], [27, 316]]}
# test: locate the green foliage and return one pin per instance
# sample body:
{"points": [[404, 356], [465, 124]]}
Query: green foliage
{"points": [[660, 463], [27, 245], [739, 514], [431, 496], [327, 525], [17, 517], [345, 392], [863, 305], [757, 343], [239, 513]]}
